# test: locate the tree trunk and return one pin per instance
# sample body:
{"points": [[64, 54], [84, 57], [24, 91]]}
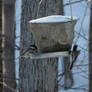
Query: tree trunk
{"points": [[8, 12], [68, 77], [90, 52], [37, 75], [0, 45]]}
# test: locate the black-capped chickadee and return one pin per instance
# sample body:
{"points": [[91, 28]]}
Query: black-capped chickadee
{"points": [[31, 50], [75, 54]]}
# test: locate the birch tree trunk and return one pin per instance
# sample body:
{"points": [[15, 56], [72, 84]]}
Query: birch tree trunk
{"points": [[8, 12], [90, 52], [37, 75], [0, 45]]}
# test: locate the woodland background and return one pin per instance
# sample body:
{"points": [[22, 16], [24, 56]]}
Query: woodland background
{"points": [[15, 38]]}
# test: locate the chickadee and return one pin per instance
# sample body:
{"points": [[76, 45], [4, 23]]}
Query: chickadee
{"points": [[31, 50], [75, 54]]}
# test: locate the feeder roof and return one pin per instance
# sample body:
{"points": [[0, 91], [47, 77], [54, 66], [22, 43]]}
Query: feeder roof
{"points": [[54, 19]]}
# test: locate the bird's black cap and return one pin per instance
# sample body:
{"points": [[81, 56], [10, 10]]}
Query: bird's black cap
{"points": [[75, 47]]}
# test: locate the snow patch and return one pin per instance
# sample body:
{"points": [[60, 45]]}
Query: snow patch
{"points": [[54, 19]]}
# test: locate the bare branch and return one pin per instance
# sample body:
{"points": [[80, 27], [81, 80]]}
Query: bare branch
{"points": [[74, 2], [4, 84]]}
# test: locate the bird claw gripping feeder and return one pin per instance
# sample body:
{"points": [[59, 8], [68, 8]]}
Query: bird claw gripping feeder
{"points": [[53, 33]]}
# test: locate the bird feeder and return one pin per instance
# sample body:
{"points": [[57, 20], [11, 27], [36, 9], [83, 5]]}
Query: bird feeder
{"points": [[53, 33]]}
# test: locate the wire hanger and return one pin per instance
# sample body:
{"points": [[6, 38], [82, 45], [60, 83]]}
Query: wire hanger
{"points": [[71, 10]]}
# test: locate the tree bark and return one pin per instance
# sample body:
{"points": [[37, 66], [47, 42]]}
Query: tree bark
{"points": [[37, 75], [8, 13], [90, 52], [68, 77], [0, 45]]}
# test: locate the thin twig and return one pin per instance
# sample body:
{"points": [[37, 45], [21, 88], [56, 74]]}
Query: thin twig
{"points": [[4, 84], [74, 2]]}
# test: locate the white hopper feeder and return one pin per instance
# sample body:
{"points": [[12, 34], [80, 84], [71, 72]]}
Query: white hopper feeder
{"points": [[53, 33]]}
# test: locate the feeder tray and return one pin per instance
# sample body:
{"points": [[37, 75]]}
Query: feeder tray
{"points": [[53, 33], [47, 55]]}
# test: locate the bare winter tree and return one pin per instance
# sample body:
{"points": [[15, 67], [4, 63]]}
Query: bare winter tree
{"points": [[8, 13], [90, 52], [37, 75]]}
